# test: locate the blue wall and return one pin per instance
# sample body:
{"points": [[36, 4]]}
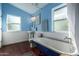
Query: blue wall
{"points": [[46, 14], [11, 10], [0, 10]]}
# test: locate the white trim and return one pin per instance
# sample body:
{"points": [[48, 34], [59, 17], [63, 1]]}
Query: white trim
{"points": [[59, 6]]}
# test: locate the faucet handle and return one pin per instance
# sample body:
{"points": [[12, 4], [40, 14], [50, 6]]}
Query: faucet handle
{"points": [[67, 37]]}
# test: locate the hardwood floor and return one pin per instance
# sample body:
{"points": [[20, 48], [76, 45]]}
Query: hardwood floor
{"points": [[19, 49]]}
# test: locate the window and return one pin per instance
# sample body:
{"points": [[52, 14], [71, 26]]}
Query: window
{"points": [[60, 19], [13, 23]]}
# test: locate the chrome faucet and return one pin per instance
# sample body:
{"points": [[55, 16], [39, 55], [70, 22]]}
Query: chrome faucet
{"points": [[69, 39]]}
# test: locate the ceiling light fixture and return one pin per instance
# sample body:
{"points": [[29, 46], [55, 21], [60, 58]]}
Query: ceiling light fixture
{"points": [[33, 18], [35, 4]]}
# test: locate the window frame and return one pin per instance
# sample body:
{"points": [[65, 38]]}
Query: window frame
{"points": [[54, 9], [12, 23]]}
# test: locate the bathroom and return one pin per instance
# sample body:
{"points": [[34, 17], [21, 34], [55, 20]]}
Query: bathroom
{"points": [[39, 29]]}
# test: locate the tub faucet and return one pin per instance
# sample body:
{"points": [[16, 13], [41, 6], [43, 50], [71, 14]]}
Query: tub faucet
{"points": [[69, 39]]}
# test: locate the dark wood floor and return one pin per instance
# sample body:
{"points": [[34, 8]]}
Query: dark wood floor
{"points": [[19, 49]]}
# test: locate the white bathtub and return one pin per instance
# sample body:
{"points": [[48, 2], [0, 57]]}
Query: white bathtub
{"points": [[58, 46]]}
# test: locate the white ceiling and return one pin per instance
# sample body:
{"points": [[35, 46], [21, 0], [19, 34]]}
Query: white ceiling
{"points": [[29, 7]]}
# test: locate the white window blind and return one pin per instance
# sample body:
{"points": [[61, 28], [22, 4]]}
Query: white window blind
{"points": [[13, 23], [60, 20]]}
